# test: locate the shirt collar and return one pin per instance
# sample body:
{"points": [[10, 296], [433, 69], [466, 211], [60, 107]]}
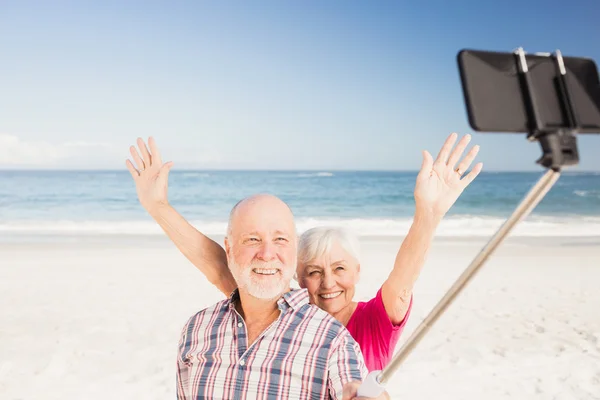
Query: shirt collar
{"points": [[294, 299]]}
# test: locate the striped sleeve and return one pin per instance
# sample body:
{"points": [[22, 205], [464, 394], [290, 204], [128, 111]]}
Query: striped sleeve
{"points": [[182, 367], [346, 364], [182, 380]]}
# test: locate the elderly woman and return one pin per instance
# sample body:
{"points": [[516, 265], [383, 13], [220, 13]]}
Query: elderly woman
{"points": [[328, 258]]}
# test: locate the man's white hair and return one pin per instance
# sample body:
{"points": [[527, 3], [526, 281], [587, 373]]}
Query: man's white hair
{"points": [[250, 198], [231, 215], [318, 241]]}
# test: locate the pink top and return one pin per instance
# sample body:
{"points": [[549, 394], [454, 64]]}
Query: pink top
{"points": [[373, 330]]}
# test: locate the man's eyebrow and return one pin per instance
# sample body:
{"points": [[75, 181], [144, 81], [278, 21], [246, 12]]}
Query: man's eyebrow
{"points": [[253, 233], [314, 266]]}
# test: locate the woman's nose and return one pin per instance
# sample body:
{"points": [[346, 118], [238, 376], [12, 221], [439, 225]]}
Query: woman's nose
{"points": [[328, 281]]}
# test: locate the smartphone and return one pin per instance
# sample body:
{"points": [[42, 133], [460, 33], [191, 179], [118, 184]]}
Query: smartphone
{"points": [[496, 101]]}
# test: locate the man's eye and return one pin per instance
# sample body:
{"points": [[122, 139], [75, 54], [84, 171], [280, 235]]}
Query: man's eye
{"points": [[282, 239]]}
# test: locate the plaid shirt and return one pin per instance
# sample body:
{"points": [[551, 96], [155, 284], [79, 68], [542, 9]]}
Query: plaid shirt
{"points": [[304, 354]]}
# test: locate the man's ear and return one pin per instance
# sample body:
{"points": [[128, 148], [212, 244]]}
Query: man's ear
{"points": [[227, 245]]}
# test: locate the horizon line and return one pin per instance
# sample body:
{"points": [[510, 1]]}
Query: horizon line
{"points": [[21, 169]]}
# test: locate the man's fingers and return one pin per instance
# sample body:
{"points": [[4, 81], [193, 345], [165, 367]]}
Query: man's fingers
{"points": [[145, 153], [350, 390], [136, 157], [445, 151], [156, 158], [134, 172], [458, 151]]}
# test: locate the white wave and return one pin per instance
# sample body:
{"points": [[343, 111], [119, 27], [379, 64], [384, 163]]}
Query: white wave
{"points": [[315, 174], [466, 226], [581, 173], [195, 174], [587, 193], [462, 226]]}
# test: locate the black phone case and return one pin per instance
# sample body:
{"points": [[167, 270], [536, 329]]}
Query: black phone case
{"points": [[495, 100]]}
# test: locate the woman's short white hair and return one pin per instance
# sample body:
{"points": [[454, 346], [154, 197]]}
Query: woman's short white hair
{"points": [[318, 241]]}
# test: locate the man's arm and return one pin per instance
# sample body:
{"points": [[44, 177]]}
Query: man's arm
{"points": [[151, 178], [347, 370], [346, 364], [203, 252]]}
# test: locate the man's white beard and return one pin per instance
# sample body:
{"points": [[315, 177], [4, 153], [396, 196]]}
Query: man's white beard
{"points": [[266, 288]]}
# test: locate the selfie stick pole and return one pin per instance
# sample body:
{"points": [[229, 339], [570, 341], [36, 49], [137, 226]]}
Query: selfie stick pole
{"points": [[559, 149]]}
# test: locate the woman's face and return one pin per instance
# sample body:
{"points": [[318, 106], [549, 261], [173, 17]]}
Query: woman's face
{"points": [[330, 279]]}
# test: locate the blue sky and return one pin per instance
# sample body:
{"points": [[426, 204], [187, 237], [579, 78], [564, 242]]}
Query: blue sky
{"points": [[269, 84]]}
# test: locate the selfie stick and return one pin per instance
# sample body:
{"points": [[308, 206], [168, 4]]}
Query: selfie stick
{"points": [[559, 149]]}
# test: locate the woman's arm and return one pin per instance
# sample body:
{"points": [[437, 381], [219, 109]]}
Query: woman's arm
{"points": [[396, 292], [151, 181], [438, 186]]}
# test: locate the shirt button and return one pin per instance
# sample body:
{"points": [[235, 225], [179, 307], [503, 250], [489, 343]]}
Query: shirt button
{"points": [[240, 324], [242, 363]]}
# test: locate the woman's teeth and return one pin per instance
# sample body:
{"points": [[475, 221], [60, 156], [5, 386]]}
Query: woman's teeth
{"points": [[330, 295], [265, 271]]}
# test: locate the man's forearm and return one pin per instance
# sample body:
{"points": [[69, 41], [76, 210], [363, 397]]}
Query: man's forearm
{"points": [[206, 254]]}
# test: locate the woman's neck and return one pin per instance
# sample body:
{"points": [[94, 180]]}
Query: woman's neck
{"points": [[345, 313]]}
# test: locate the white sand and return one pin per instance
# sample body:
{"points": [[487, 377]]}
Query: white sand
{"points": [[99, 318]]}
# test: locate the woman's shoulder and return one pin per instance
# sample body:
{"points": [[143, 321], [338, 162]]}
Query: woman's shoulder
{"points": [[366, 307], [375, 301]]}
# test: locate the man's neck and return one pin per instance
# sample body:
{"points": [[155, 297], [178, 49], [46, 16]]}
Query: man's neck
{"points": [[258, 314], [255, 310]]}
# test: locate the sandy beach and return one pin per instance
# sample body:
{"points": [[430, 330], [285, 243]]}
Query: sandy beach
{"points": [[96, 317]]}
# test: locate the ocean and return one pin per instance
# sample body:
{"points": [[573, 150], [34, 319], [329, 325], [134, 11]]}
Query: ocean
{"points": [[370, 203]]}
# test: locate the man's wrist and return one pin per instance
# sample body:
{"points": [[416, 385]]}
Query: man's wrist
{"points": [[158, 208]]}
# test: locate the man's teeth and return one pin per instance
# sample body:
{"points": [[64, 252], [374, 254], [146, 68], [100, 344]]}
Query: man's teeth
{"points": [[331, 295], [265, 271]]}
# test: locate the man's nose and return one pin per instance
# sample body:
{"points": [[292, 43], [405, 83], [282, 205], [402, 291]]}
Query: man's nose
{"points": [[267, 251]]}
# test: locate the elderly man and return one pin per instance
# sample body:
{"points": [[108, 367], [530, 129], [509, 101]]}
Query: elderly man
{"points": [[266, 341]]}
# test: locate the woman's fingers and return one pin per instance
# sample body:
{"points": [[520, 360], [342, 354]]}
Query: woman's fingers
{"points": [[458, 151], [470, 177], [445, 150], [464, 165]]}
